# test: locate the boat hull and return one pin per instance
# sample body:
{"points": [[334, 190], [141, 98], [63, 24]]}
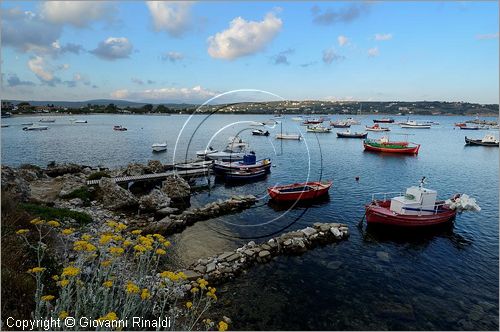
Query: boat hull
{"points": [[299, 191], [407, 126], [383, 121], [378, 212], [343, 135], [468, 128], [245, 176], [478, 142], [221, 168], [377, 129], [405, 150]]}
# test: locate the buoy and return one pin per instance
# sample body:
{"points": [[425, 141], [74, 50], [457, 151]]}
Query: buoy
{"points": [[357, 178]]}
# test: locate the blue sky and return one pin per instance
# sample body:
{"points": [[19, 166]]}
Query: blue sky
{"points": [[189, 52]]}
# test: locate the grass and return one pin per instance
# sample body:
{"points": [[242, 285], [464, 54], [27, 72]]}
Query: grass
{"points": [[49, 213], [98, 175], [83, 193]]}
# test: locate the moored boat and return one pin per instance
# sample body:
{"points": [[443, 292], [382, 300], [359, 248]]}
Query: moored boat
{"points": [[299, 191], [80, 121], [298, 119], [195, 165], [376, 127], [415, 125], [249, 162], [259, 132], [469, 127], [384, 145], [383, 120], [159, 147], [318, 129], [245, 175], [47, 120], [348, 134], [119, 128], [203, 153], [416, 208], [339, 124], [488, 140], [312, 121], [35, 127], [289, 136]]}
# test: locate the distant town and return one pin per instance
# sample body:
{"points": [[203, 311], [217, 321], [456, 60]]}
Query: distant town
{"points": [[104, 106]]}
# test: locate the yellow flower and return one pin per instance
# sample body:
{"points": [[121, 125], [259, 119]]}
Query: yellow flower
{"points": [[105, 239], [48, 298], [145, 294], [139, 248], [106, 263], [189, 304], [55, 277], [70, 271], [107, 284], [117, 251], [120, 227], [195, 290], [86, 237], [160, 252], [54, 223], [222, 326], [63, 314], [146, 241], [109, 316], [212, 295], [117, 237], [111, 223], [81, 245], [172, 275], [136, 232], [132, 288], [203, 283], [182, 275], [64, 282], [159, 237], [36, 221], [68, 231], [22, 231], [126, 243], [36, 270], [207, 321], [166, 244]]}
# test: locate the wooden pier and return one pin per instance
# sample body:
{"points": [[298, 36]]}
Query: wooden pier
{"points": [[155, 176]]}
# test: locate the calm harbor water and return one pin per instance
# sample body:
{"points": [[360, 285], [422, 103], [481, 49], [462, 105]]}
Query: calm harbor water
{"points": [[445, 280]]}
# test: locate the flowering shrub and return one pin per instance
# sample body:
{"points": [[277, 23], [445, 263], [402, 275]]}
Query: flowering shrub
{"points": [[114, 275]]}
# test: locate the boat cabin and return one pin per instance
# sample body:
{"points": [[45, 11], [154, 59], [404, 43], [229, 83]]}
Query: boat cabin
{"points": [[416, 201]]}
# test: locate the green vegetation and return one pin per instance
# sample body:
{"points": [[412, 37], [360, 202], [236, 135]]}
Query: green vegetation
{"points": [[98, 175], [49, 213], [82, 193]]}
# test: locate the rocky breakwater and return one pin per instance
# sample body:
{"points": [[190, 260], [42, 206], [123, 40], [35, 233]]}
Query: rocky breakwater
{"points": [[178, 222], [229, 264]]}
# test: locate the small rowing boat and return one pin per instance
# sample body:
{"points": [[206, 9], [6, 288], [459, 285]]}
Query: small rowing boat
{"points": [[119, 128], [488, 140], [245, 175], [159, 147], [289, 136], [415, 125], [384, 145], [35, 127], [299, 191], [339, 124], [348, 134], [260, 132]]}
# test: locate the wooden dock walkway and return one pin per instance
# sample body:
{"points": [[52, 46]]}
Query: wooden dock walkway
{"points": [[155, 176]]}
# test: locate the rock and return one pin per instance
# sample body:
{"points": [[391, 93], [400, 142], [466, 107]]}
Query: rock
{"points": [[249, 252], [14, 186], [177, 189], [266, 247], [167, 211], [210, 267], [54, 170], [200, 268], [153, 201], [155, 166], [309, 231], [225, 255], [264, 254], [76, 202], [115, 197], [336, 233], [134, 169], [233, 257], [227, 320], [383, 256], [70, 183], [287, 243], [191, 275]]}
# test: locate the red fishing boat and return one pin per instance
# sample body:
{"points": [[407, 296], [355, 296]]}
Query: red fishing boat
{"points": [[299, 191], [415, 208], [384, 145]]}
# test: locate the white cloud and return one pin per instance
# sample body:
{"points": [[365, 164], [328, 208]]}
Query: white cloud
{"points": [[330, 55], [373, 52], [113, 48], [244, 37], [487, 36], [173, 56], [174, 17], [37, 66], [380, 36], [343, 40], [76, 13], [188, 95]]}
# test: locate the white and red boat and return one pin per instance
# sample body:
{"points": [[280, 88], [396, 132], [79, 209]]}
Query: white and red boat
{"points": [[299, 191], [376, 127], [417, 207]]}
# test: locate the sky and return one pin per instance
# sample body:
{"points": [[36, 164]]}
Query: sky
{"points": [[193, 51]]}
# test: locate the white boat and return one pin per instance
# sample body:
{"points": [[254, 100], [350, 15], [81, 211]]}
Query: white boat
{"points": [[159, 147], [195, 165], [257, 124], [289, 136], [415, 125], [47, 120], [352, 121], [80, 121], [318, 129], [27, 124], [226, 155], [236, 142], [298, 119], [203, 153], [35, 127]]}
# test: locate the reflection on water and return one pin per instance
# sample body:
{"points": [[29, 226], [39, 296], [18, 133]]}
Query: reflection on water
{"points": [[443, 280]]}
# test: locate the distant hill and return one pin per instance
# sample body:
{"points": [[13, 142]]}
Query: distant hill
{"points": [[78, 104]]}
